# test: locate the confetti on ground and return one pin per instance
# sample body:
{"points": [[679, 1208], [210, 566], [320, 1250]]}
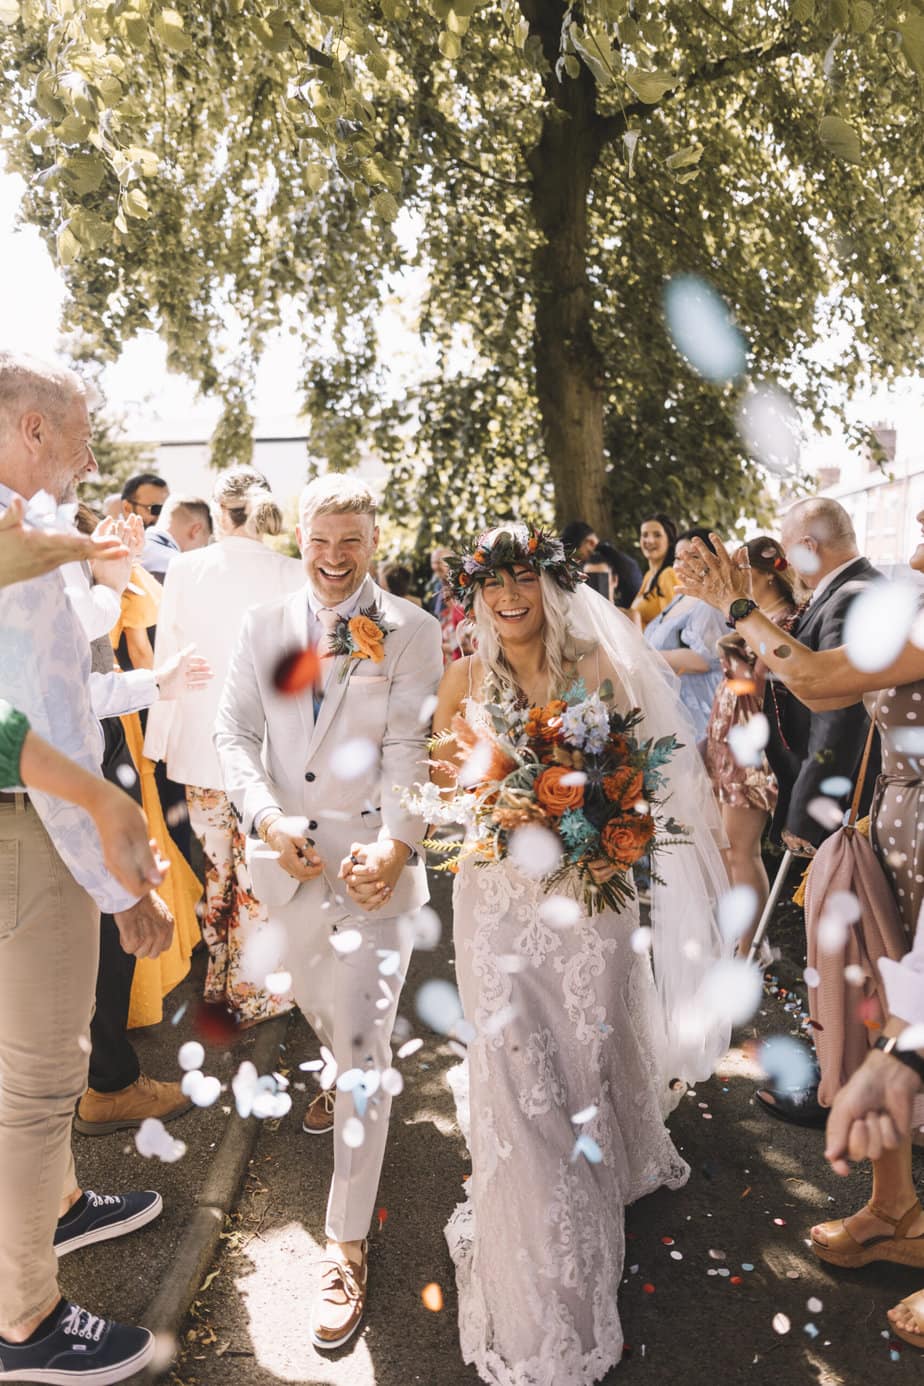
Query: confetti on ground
{"points": [[382, 1216], [648, 1288], [781, 1324], [432, 1297]]}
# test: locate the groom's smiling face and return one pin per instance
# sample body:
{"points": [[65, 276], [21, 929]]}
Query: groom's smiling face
{"points": [[337, 549]]}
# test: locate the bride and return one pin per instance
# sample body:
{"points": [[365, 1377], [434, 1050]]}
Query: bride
{"points": [[569, 1034]]}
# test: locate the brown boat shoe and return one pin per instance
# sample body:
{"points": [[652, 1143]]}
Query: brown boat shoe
{"points": [[100, 1113], [341, 1299], [319, 1115]]}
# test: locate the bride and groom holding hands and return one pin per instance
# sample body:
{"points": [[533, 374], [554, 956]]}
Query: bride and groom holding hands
{"points": [[572, 1042]]}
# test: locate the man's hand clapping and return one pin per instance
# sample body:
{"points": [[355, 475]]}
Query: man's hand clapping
{"points": [[28, 553], [115, 572]]}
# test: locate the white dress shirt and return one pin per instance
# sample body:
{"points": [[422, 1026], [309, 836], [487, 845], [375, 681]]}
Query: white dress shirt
{"points": [[45, 673], [206, 593], [828, 578]]}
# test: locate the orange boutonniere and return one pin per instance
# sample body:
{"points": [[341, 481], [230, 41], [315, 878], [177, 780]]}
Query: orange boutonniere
{"points": [[360, 637]]}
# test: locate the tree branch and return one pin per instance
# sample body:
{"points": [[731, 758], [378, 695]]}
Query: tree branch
{"points": [[614, 127]]}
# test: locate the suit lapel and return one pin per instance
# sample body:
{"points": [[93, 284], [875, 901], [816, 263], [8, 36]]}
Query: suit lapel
{"points": [[856, 570], [294, 637], [335, 690]]}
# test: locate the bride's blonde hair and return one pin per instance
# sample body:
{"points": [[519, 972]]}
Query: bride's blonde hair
{"points": [[561, 648]]}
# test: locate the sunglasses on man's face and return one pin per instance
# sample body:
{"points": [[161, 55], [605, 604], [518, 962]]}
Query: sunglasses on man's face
{"points": [[153, 509]]}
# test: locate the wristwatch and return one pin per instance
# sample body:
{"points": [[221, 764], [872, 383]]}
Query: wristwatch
{"points": [[910, 1057], [740, 607]]}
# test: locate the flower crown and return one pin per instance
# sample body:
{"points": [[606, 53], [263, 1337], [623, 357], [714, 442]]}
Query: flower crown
{"points": [[514, 546]]}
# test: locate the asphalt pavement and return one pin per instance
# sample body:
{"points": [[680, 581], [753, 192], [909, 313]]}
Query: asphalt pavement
{"points": [[719, 1286]]}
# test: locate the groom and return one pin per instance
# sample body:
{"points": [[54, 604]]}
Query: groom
{"points": [[318, 775]]}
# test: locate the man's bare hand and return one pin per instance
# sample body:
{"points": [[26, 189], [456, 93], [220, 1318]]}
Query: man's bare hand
{"points": [[872, 1111], [28, 553], [186, 672], [123, 830], [371, 872], [146, 929], [115, 572], [297, 856]]}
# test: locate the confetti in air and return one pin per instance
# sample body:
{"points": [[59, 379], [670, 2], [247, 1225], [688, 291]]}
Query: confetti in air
{"points": [[354, 759], [432, 1297], [191, 1055], [879, 623], [770, 426], [535, 851], [438, 1006], [154, 1141], [701, 328], [297, 671]]}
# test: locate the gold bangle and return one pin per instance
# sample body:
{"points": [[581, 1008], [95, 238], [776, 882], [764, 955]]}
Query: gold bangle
{"points": [[265, 825]]}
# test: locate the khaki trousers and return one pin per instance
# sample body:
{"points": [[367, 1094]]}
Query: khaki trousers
{"points": [[49, 949]]}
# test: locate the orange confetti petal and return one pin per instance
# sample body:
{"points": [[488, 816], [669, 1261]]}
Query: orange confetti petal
{"points": [[741, 687], [746, 1192], [648, 1288], [297, 671], [432, 1297]]}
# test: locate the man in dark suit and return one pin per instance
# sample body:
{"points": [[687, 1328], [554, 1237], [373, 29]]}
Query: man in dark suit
{"points": [[806, 748]]}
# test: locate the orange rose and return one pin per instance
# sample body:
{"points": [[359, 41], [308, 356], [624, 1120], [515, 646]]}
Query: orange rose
{"points": [[618, 746], [624, 786], [538, 725], [367, 638], [556, 797], [624, 840]]}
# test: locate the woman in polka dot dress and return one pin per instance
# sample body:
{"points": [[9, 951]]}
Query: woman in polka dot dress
{"points": [[891, 1226]]}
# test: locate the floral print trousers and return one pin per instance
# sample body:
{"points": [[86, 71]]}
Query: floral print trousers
{"points": [[232, 915]]}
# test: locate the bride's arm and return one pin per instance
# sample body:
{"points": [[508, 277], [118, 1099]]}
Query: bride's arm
{"points": [[449, 698]]}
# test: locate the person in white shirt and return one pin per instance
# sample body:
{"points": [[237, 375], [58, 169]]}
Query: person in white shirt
{"points": [[206, 594]]}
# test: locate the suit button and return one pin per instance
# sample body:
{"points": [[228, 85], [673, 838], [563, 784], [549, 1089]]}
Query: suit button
{"points": [[310, 776], [312, 825]]}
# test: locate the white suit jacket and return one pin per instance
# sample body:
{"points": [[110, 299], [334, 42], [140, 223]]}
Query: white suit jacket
{"points": [[206, 593], [273, 753]]}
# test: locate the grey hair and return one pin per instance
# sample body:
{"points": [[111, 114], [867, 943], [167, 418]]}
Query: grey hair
{"points": [[245, 495], [336, 493], [561, 648], [27, 383], [826, 520]]}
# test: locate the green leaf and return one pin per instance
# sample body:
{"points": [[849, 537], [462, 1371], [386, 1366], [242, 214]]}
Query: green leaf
{"points": [[686, 157], [594, 49], [840, 139], [912, 32], [649, 86], [316, 176], [862, 16], [90, 229], [84, 172], [330, 9], [9, 11], [450, 45], [169, 28], [803, 11], [67, 244], [135, 204], [840, 13], [385, 206]]}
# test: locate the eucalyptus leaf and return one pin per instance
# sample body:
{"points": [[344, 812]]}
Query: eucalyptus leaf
{"points": [[68, 246], [840, 138], [450, 45], [912, 32], [649, 87]]}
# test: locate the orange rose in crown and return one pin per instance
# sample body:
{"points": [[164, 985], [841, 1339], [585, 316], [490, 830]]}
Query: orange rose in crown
{"points": [[625, 840], [555, 796], [624, 786], [368, 639]]}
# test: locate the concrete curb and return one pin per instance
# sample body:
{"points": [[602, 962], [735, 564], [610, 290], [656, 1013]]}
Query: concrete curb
{"points": [[196, 1251]]}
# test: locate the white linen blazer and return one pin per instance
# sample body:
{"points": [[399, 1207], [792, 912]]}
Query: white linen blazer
{"points": [[274, 754], [206, 593]]}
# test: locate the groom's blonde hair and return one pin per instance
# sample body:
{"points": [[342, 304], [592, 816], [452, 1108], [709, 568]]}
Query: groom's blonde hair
{"points": [[336, 493]]}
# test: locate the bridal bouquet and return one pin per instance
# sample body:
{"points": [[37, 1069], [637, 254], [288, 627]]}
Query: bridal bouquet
{"points": [[575, 768]]}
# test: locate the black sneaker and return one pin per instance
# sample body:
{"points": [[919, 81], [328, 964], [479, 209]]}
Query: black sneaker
{"points": [[77, 1348], [97, 1217]]}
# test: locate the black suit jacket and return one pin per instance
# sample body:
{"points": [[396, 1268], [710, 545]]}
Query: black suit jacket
{"points": [[806, 748]]}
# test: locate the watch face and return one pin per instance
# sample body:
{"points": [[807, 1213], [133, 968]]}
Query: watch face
{"points": [[740, 608]]}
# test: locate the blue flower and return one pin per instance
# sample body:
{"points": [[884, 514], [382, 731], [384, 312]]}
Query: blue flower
{"points": [[587, 724], [577, 833]]}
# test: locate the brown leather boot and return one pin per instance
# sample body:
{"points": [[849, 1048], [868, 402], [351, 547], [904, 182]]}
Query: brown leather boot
{"points": [[99, 1113], [319, 1115]]}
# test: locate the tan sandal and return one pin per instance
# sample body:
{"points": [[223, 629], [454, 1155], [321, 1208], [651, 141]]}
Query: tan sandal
{"points": [[843, 1249], [915, 1303]]}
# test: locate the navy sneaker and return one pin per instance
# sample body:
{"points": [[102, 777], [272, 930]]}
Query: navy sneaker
{"points": [[77, 1348], [97, 1217]]}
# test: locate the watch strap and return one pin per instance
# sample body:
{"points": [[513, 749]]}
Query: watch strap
{"points": [[909, 1057], [745, 605]]}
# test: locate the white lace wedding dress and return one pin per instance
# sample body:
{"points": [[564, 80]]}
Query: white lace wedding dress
{"points": [[565, 1019]]}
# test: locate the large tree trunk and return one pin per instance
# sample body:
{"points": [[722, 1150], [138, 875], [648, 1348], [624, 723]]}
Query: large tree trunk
{"points": [[569, 367]]}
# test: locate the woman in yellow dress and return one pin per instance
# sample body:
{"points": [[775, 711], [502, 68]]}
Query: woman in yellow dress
{"points": [[181, 890], [657, 538]]}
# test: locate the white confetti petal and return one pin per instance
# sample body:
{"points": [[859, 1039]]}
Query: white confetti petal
{"points": [[353, 1133], [737, 911], [787, 1063], [411, 1047], [769, 423], [781, 1324], [641, 940], [346, 941], [560, 912], [392, 1082], [812, 977], [586, 1114], [534, 850], [701, 327], [153, 1141], [879, 622], [354, 758], [438, 1006], [191, 1055], [278, 983], [805, 560]]}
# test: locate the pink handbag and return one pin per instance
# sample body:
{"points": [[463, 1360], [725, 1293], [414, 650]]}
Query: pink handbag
{"points": [[848, 1017]]}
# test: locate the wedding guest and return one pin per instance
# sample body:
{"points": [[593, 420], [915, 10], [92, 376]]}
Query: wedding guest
{"points": [[657, 537], [145, 495], [687, 633], [625, 574], [204, 599], [185, 523], [747, 793], [112, 505], [891, 1226], [436, 588], [580, 540], [397, 579], [54, 901]]}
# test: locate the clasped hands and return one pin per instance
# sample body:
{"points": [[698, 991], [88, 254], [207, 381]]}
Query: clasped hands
{"points": [[369, 873], [715, 578]]}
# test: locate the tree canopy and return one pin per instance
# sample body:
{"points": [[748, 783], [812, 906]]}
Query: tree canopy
{"points": [[536, 171]]}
